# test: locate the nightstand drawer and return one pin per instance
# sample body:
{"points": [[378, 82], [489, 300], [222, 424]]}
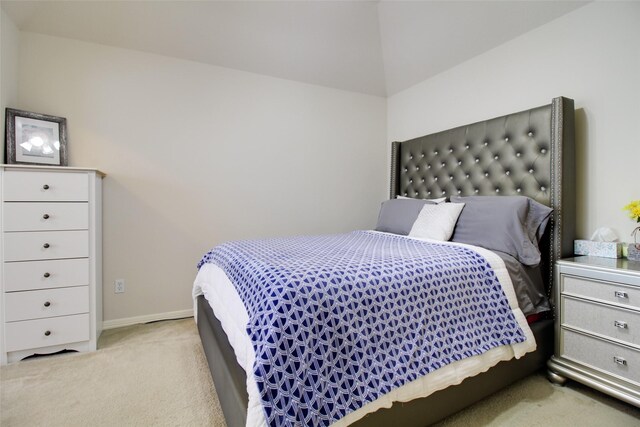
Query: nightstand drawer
{"points": [[605, 291], [46, 332], [31, 186], [24, 276], [46, 303], [45, 216], [621, 324], [603, 355], [26, 246]]}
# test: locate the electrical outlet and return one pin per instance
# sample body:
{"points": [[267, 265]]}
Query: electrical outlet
{"points": [[119, 286]]}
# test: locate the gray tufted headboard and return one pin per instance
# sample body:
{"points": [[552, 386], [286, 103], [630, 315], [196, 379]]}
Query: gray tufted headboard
{"points": [[530, 153]]}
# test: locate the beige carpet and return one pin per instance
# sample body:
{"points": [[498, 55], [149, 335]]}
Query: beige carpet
{"points": [[156, 375], [143, 375]]}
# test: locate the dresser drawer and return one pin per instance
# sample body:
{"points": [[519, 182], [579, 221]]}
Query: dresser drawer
{"points": [[26, 246], [613, 322], [31, 186], [45, 216], [33, 333], [24, 276], [46, 303], [605, 291], [601, 355]]}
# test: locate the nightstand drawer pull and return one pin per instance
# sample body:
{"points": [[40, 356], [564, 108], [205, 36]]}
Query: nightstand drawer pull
{"points": [[620, 324], [47, 333], [47, 275], [620, 360], [45, 187], [47, 303], [620, 294], [45, 216], [46, 246]]}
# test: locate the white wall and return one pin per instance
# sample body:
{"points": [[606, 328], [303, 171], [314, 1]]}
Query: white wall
{"points": [[591, 55], [9, 46], [196, 155]]}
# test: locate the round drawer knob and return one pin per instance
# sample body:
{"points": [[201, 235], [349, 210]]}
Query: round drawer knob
{"points": [[47, 303], [45, 216], [46, 275], [47, 333], [46, 246], [45, 187]]}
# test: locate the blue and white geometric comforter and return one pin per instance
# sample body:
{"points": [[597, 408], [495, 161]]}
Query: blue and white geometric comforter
{"points": [[338, 321]]}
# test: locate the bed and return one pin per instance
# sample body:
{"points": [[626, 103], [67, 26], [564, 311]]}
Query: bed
{"points": [[529, 153]]}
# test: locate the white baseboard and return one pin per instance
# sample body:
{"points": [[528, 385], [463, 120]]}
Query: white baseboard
{"points": [[128, 321]]}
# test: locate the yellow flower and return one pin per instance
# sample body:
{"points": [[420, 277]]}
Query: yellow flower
{"points": [[634, 210]]}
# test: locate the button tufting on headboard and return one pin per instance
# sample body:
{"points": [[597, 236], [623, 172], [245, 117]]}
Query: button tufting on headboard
{"points": [[495, 156]]}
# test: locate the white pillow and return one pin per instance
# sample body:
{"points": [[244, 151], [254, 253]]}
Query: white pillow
{"points": [[436, 221], [438, 200]]}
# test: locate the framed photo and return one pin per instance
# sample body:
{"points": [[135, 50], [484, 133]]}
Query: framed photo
{"points": [[35, 139]]}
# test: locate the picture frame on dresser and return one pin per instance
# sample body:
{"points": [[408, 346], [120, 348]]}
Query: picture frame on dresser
{"points": [[35, 138]]}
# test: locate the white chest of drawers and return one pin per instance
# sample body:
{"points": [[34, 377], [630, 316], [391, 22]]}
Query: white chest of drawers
{"points": [[51, 260], [598, 325]]}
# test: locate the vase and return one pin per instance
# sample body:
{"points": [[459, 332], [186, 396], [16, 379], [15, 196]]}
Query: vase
{"points": [[633, 252]]}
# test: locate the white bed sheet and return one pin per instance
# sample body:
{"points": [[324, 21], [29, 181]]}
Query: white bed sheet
{"points": [[228, 308]]}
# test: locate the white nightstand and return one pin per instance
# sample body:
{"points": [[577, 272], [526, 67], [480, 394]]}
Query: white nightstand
{"points": [[51, 260], [598, 325]]}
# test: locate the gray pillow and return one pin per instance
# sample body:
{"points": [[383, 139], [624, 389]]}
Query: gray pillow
{"points": [[509, 224], [398, 215]]}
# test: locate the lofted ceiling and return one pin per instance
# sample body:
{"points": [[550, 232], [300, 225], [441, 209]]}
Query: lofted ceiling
{"points": [[372, 47]]}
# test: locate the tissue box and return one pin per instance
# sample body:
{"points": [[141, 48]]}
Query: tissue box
{"points": [[601, 249]]}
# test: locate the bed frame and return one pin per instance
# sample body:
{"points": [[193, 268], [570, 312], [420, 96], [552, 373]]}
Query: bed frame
{"points": [[529, 153]]}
